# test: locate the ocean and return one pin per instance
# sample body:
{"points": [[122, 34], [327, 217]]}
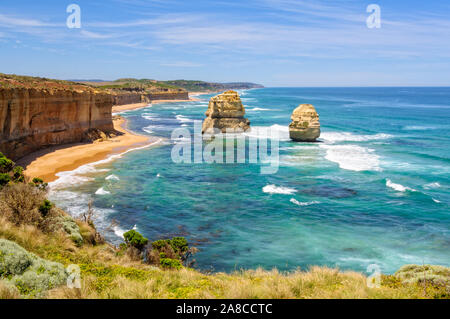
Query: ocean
{"points": [[375, 189]]}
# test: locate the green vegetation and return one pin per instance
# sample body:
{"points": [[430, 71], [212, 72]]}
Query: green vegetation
{"points": [[201, 86], [135, 239], [10, 81], [29, 274]]}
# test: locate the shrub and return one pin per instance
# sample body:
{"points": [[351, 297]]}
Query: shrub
{"points": [[71, 228], [179, 244], [170, 263], [135, 239], [45, 208], [6, 165], [18, 176], [4, 179], [39, 183], [416, 274], [20, 203], [31, 275]]}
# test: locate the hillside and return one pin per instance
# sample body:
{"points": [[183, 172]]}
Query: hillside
{"points": [[189, 85], [201, 86]]}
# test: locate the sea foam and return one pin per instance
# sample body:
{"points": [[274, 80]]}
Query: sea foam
{"points": [[353, 157], [332, 137], [102, 191], [273, 189], [296, 202], [398, 187], [112, 178]]}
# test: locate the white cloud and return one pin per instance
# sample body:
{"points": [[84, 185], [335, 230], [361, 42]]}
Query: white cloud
{"points": [[11, 22], [182, 64]]}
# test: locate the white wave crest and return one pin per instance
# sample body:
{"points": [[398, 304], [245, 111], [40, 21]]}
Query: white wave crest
{"points": [[255, 109], [102, 191], [398, 187], [265, 132], [352, 157], [332, 137], [112, 178], [432, 185], [273, 189], [183, 119], [296, 202]]}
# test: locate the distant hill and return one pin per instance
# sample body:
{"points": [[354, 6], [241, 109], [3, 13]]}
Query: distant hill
{"points": [[189, 85], [200, 86]]}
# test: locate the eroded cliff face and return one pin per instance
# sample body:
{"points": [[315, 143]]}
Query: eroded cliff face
{"points": [[34, 118]]}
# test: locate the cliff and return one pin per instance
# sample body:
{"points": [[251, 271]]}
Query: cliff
{"points": [[132, 91], [36, 113]]}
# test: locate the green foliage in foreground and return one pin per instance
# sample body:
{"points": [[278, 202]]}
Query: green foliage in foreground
{"points": [[29, 274], [71, 228], [9, 172], [415, 274]]}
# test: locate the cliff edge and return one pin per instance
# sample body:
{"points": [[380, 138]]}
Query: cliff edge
{"points": [[36, 113]]}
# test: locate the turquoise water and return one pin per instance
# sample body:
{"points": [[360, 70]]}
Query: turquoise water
{"points": [[376, 189]]}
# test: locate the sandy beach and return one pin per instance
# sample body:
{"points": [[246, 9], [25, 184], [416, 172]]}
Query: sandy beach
{"points": [[129, 107], [47, 163]]}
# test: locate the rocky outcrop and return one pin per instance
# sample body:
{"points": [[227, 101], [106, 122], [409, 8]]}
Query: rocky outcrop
{"points": [[225, 113], [32, 118], [305, 126]]}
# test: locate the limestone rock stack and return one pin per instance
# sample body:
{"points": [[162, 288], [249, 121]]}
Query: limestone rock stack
{"points": [[305, 126], [225, 112]]}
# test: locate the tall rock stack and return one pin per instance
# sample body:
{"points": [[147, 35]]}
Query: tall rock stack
{"points": [[305, 126], [225, 113]]}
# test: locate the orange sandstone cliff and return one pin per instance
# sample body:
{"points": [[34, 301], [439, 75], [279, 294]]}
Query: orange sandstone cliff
{"points": [[36, 113]]}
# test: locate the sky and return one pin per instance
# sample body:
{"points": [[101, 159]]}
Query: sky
{"points": [[272, 42]]}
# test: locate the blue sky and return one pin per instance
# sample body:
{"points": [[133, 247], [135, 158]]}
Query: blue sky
{"points": [[273, 42]]}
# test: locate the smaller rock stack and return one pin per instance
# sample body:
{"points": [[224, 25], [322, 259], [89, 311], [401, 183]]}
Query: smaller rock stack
{"points": [[225, 112], [305, 126]]}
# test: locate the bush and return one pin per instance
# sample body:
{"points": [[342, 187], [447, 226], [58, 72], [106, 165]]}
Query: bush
{"points": [[4, 179], [71, 228], [170, 263], [18, 176], [434, 275], [45, 208], [20, 203], [6, 165], [39, 183], [135, 239], [31, 275], [179, 244]]}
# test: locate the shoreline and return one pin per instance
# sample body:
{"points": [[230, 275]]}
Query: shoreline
{"points": [[136, 106], [47, 163]]}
